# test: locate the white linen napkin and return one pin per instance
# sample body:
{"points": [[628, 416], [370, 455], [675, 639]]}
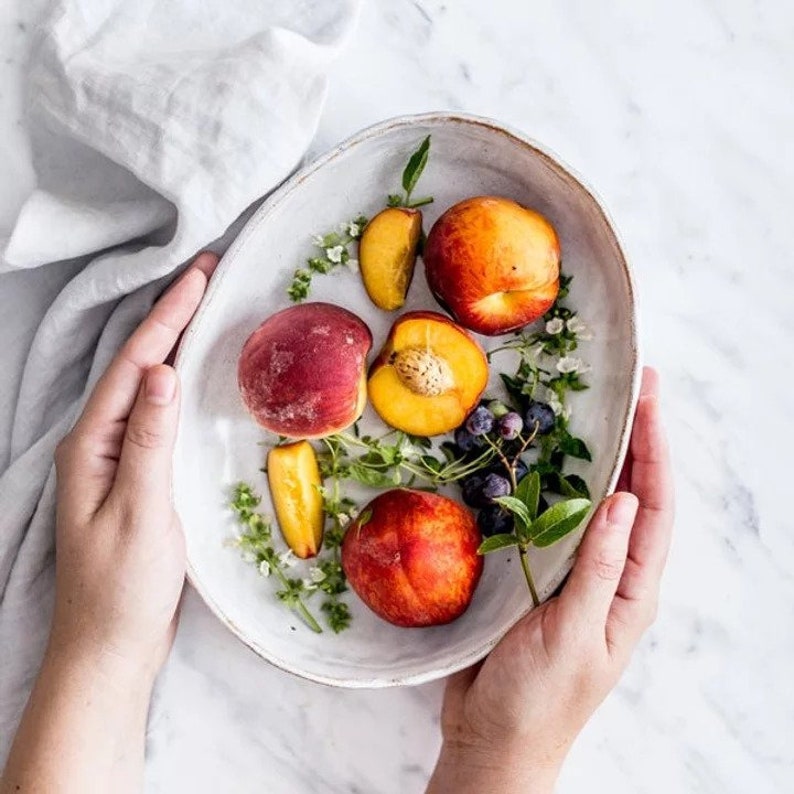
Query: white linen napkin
{"points": [[154, 124]]}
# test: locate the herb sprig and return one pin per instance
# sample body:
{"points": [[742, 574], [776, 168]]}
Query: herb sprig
{"points": [[335, 248], [413, 170]]}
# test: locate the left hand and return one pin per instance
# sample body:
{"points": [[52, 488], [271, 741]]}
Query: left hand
{"points": [[120, 551]]}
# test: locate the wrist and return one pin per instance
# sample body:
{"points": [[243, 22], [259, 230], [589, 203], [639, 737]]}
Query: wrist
{"points": [[508, 768]]}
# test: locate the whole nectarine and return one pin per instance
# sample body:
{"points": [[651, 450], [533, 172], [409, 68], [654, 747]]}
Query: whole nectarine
{"points": [[412, 557], [493, 264], [302, 373]]}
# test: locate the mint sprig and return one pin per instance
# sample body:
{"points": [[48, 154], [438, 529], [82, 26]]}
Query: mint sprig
{"points": [[531, 529], [413, 170]]}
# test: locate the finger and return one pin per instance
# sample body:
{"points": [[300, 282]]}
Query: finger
{"points": [[648, 385], [652, 482], [144, 468], [587, 596], [116, 390]]}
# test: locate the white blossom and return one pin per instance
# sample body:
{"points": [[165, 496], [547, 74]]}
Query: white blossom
{"points": [[287, 558], [316, 574], [555, 326], [308, 584], [570, 364], [353, 265], [264, 568], [555, 405], [353, 229], [577, 327], [318, 240], [343, 519], [334, 254]]}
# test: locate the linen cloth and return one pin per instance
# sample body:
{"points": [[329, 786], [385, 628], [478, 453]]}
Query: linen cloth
{"points": [[154, 125]]}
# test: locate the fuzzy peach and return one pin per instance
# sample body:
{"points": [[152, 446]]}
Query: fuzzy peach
{"points": [[493, 264], [411, 556], [302, 373]]}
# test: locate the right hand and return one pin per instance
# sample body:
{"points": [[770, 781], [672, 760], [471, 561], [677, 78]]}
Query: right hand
{"points": [[508, 723]]}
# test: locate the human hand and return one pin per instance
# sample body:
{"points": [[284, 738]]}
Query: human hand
{"points": [[120, 551], [508, 724]]}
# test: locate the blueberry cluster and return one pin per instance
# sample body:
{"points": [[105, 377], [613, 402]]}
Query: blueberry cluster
{"points": [[494, 422]]}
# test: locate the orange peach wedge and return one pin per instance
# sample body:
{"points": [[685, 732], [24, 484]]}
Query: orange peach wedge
{"points": [[294, 479], [387, 254], [428, 376]]}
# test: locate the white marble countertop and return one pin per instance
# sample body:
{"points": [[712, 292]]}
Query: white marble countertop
{"points": [[680, 114]]}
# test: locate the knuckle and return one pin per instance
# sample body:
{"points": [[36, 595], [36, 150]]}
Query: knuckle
{"points": [[143, 436], [608, 568]]}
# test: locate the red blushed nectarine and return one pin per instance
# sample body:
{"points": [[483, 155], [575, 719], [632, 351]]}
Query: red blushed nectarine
{"points": [[412, 557], [302, 373], [494, 264]]}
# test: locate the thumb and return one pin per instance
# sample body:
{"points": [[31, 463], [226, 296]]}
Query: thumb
{"points": [[591, 587], [144, 470]]}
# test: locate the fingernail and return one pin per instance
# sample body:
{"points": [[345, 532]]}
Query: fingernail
{"points": [[622, 509], [160, 385]]}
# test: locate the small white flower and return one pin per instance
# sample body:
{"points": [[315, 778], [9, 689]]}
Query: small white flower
{"points": [[555, 405], [308, 584], [335, 254], [287, 558], [318, 240], [570, 364], [316, 574], [353, 229], [343, 518], [264, 568], [577, 327], [555, 326], [352, 265]]}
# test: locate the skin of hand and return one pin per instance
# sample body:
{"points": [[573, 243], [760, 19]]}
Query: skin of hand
{"points": [[120, 567], [508, 723]]}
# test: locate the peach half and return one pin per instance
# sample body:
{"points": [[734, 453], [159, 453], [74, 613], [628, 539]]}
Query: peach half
{"points": [[428, 376], [411, 556], [302, 373], [494, 264]]}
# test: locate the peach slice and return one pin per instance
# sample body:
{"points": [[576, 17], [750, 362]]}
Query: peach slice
{"points": [[294, 479], [387, 254], [302, 373], [411, 556], [493, 264], [428, 376]]}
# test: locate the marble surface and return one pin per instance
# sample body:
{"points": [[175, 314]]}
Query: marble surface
{"points": [[680, 114]]}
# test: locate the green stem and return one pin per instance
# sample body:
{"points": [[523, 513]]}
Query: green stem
{"points": [[298, 604], [419, 202], [522, 555]]}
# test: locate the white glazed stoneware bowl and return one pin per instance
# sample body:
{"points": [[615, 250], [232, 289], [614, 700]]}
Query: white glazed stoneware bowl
{"points": [[218, 441]]}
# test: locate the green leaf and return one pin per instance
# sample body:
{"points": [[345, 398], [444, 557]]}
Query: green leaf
{"points": [[556, 522], [514, 388], [496, 542], [518, 509], [416, 164], [364, 517], [574, 485], [528, 491], [574, 447]]}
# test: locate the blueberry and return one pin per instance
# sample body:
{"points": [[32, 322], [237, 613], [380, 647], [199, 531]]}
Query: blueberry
{"points": [[465, 441], [471, 491], [480, 421], [542, 415], [510, 425], [494, 486], [494, 520]]}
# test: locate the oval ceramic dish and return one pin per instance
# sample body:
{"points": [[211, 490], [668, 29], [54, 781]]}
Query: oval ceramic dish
{"points": [[218, 442]]}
